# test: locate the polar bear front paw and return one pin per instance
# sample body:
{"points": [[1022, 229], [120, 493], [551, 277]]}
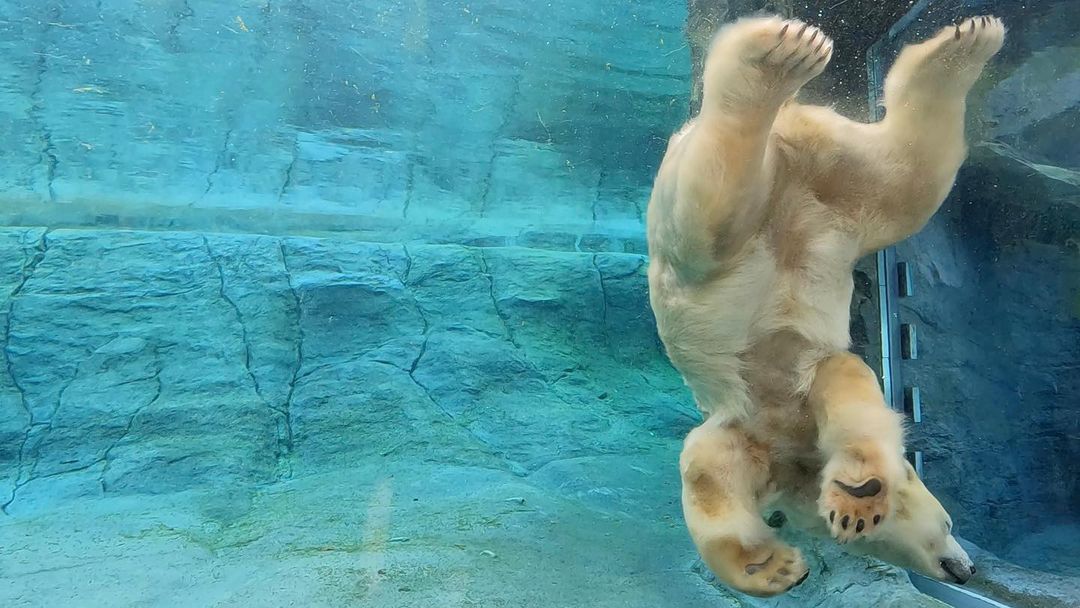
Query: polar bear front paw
{"points": [[783, 54], [856, 491]]}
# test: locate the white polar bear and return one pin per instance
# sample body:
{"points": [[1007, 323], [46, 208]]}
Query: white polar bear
{"points": [[760, 210]]}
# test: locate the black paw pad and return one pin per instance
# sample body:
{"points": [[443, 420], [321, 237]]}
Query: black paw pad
{"points": [[870, 488], [777, 519], [859, 526], [844, 522]]}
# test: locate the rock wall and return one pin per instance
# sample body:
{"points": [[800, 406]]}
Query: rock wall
{"points": [[248, 420], [394, 120], [996, 299], [142, 362]]}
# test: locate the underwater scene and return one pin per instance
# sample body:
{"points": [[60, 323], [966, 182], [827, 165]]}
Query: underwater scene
{"points": [[402, 303]]}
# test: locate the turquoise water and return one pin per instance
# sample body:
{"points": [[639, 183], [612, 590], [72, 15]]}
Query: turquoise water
{"points": [[344, 304]]}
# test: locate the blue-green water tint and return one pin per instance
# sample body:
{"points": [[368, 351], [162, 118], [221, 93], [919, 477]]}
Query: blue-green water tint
{"points": [[997, 275], [439, 120], [343, 304]]}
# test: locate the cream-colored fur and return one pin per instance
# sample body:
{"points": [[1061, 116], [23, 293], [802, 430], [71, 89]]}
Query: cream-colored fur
{"points": [[760, 210]]}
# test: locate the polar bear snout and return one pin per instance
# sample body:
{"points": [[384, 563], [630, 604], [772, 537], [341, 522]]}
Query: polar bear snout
{"points": [[958, 570]]}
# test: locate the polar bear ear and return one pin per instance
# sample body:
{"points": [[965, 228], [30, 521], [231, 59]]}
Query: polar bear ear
{"points": [[910, 471]]}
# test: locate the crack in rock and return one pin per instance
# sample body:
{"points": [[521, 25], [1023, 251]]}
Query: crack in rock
{"points": [[239, 319], [485, 270], [596, 200], [287, 406], [219, 162], [285, 443], [18, 471], [181, 16], [31, 471], [410, 178], [416, 152], [419, 311], [831, 595], [391, 266], [60, 396], [603, 294], [37, 107], [104, 458], [408, 266], [637, 208], [30, 264], [507, 112], [516, 468], [482, 261], [641, 263], [423, 346], [131, 422], [566, 373], [287, 181]]}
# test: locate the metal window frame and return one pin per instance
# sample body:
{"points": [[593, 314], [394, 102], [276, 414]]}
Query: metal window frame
{"points": [[953, 595], [888, 280]]}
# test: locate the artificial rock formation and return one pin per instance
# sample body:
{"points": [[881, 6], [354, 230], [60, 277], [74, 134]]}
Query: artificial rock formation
{"points": [[248, 420]]}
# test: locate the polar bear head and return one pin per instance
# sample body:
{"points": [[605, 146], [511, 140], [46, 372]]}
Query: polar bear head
{"points": [[919, 537]]}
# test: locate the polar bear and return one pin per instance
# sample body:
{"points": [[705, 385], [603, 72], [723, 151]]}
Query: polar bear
{"points": [[759, 211]]}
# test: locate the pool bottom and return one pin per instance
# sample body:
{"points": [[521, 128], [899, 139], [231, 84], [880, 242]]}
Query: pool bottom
{"points": [[393, 535]]}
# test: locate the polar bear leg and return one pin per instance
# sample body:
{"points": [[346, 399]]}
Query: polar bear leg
{"points": [[862, 441], [723, 474], [714, 182], [914, 153], [941, 70]]}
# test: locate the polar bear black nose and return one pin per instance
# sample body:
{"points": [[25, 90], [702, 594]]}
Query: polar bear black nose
{"points": [[957, 570]]}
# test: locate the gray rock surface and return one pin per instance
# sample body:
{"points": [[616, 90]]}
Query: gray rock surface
{"points": [[1037, 587], [231, 420]]}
